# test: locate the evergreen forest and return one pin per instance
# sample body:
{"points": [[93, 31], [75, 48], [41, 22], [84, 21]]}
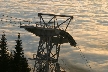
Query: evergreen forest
{"points": [[13, 61]]}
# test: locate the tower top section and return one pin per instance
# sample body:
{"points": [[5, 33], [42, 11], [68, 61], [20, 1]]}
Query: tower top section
{"points": [[51, 25], [52, 21], [55, 21], [40, 14]]}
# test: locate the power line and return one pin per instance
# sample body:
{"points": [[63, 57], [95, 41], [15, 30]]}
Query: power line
{"points": [[65, 65], [85, 59]]}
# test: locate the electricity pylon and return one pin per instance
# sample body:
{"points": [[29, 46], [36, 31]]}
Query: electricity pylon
{"points": [[51, 37]]}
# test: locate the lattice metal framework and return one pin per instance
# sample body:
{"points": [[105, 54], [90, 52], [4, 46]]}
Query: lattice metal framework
{"points": [[51, 37]]}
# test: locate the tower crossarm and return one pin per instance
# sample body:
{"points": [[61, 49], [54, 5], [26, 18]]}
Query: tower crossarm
{"points": [[53, 22], [40, 14]]}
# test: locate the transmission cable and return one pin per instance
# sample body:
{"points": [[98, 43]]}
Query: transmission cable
{"points": [[83, 56], [85, 59]]}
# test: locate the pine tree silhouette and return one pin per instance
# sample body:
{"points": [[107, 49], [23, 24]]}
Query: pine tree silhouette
{"points": [[20, 62], [4, 55], [11, 63]]}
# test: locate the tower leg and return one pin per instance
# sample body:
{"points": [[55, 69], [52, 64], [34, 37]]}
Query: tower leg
{"points": [[47, 56]]}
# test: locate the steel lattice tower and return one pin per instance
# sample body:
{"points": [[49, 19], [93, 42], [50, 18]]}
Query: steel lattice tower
{"points": [[51, 37]]}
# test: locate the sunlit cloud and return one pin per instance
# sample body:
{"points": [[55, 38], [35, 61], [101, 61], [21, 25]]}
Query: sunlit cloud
{"points": [[89, 28]]}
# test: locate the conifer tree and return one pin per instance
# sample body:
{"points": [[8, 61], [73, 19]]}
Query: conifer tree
{"points": [[11, 63], [20, 62], [4, 55]]}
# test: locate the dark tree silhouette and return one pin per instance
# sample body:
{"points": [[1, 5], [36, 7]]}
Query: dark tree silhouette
{"points": [[20, 62], [12, 62], [4, 55]]}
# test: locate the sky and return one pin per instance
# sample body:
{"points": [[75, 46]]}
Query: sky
{"points": [[89, 28]]}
